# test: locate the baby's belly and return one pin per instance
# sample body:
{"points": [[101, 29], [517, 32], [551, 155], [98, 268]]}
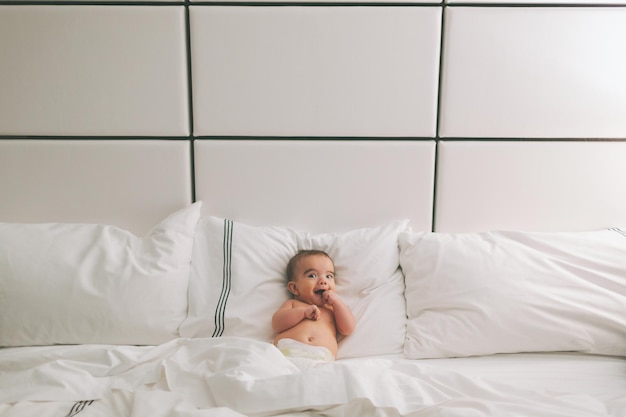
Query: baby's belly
{"points": [[311, 334]]}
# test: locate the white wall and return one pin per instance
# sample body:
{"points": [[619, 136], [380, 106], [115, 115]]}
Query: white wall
{"points": [[193, 72]]}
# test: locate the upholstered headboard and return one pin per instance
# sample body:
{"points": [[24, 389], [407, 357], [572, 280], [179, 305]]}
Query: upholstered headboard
{"points": [[322, 116]]}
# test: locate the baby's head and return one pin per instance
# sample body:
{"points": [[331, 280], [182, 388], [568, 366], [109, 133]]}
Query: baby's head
{"points": [[294, 262], [310, 273]]}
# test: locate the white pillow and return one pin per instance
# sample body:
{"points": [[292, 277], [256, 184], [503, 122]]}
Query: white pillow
{"points": [[238, 281], [88, 283], [370, 282], [504, 292]]}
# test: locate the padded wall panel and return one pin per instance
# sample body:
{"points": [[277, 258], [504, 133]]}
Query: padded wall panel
{"points": [[94, 1], [93, 70], [317, 186], [537, 186], [131, 184], [534, 72], [315, 71], [539, 2], [334, 1]]}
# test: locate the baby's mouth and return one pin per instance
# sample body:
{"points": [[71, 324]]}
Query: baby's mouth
{"points": [[320, 292]]}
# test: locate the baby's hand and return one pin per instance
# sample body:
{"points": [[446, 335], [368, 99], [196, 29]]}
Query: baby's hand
{"points": [[329, 297], [312, 312]]}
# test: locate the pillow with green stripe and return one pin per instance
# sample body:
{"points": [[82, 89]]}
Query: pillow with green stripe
{"points": [[238, 280]]}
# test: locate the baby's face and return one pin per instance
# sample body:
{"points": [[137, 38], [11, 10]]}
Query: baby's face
{"points": [[313, 276]]}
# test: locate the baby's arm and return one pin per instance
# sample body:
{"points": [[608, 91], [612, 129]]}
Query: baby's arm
{"points": [[343, 316], [290, 314]]}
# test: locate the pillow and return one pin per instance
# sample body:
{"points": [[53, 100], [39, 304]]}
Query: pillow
{"points": [[504, 292], [238, 281], [88, 283], [370, 282]]}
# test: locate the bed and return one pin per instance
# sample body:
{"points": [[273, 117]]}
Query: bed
{"points": [[472, 204]]}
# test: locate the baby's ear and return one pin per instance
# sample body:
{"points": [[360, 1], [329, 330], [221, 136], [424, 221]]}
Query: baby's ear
{"points": [[292, 287]]}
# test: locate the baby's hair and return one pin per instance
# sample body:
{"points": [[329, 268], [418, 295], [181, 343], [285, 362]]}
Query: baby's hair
{"points": [[291, 266]]}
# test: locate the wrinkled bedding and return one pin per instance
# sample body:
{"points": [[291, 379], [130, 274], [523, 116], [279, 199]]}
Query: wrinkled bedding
{"points": [[232, 376]]}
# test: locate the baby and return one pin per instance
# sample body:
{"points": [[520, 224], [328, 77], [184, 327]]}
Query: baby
{"points": [[306, 326]]}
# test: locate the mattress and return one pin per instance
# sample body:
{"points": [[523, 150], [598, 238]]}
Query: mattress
{"points": [[233, 376]]}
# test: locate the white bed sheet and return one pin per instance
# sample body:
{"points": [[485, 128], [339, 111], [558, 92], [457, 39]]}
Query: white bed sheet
{"points": [[236, 376]]}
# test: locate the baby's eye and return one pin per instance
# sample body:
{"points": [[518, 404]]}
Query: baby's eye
{"points": [[312, 275], [329, 276]]}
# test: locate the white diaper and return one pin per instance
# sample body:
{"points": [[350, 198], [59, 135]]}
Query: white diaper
{"points": [[304, 356]]}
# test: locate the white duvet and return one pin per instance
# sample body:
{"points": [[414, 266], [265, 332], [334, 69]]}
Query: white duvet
{"points": [[241, 377]]}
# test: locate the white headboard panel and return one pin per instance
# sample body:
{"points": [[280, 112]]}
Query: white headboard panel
{"points": [[539, 186], [349, 71], [321, 186], [534, 72], [93, 70], [131, 184]]}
